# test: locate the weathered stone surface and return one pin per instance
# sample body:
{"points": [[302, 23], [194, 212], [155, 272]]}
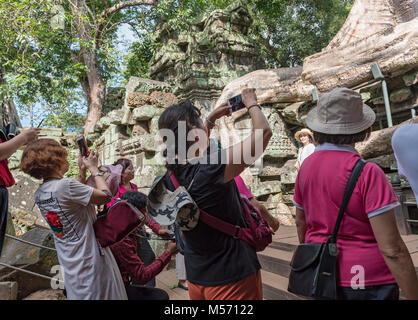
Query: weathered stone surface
{"points": [[22, 203], [280, 146], [114, 99], [163, 99], [401, 95], [380, 142], [293, 113], [272, 85], [30, 258], [48, 294], [410, 78], [387, 162], [199, 63], [8, 290], [145, 112], [266, 188], [284, 215], [375, 31], [138, 99], [140, 128]]}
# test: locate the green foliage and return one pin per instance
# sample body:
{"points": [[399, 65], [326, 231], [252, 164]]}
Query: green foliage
{"points": [[287, 31], [138, 58], [73, 168], [43, 60], [290, 30]]}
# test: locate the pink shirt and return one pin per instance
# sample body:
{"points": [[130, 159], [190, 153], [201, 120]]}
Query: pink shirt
{"points": [[319, 189], [242, 188]]}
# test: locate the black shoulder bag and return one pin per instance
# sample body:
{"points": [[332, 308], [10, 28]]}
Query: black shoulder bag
{"points": [[314, 265]]}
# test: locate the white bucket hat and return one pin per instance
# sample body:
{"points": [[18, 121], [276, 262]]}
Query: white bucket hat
{"points": [[303, 131], [340, 111]]}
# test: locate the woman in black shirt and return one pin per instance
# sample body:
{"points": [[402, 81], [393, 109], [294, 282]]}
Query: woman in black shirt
{"points": [[218, 266]]}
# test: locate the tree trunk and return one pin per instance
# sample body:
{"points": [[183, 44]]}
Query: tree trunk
{"points": [[94, 89]]}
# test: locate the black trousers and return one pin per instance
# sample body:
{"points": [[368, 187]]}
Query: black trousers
{"points": [[4, 203], [136, 292], [147, 256], [382, 292]]}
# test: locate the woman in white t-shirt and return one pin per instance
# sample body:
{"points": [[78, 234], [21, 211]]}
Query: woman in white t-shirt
{"points": [[305, 137], [90, 271]]}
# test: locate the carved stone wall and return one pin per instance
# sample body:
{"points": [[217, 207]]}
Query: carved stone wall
{"points": [[198, 63]]}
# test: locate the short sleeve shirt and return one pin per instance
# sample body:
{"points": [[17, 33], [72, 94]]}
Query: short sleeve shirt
{"points": [[6, 177], [319, 190], [213, 258], [305, 152], [90, 272]]}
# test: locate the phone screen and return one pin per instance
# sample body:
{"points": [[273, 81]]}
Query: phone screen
{"points": [[236, 103], [82, 146]]}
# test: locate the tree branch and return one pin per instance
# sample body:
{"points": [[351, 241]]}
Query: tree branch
{"points": [[126, 4], [117, 7]]}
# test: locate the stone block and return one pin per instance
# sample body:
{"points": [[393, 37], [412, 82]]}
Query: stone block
{"points": [[145, 112], [266, 188], [22, 202], [140, 128], [410, 78], [38, 260], [102, 124], [8, 290], [401, 95], [378, 100], [14, 160], [47, 294]]}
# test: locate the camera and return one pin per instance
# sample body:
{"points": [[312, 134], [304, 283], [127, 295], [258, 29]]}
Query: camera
{"points": [[8, 132], [236, 103]]}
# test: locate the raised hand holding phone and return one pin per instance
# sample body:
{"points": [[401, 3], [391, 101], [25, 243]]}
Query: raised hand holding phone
{"points": [[82, 146]]}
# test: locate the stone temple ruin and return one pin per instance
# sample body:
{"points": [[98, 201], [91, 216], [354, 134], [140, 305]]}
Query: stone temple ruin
{"points": [[210, 63], [215, 58]]}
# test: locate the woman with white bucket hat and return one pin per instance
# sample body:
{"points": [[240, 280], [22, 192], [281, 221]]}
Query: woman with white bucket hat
{"points": [[373, 261], [305, 137]]}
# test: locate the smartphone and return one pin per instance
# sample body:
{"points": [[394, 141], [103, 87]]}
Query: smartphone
{"points": [[236, 103], [82, 145]]}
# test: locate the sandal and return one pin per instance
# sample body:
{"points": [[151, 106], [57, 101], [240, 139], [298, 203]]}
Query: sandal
{"points": [[182, 286]]}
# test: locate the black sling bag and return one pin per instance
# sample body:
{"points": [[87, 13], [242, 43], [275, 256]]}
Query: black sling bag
{"points": [[314, 265]]}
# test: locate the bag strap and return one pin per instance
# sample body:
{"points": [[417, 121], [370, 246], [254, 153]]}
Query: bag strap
{"points": [[210, 220], [352, 181]]}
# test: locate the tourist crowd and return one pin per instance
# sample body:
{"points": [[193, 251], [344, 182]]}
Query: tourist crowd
{"points": [[219, 266]]}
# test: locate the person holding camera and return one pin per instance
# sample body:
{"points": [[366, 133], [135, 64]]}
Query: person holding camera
{"points": [[217, 265], [67, 205], [8, 145], [136, 275], [145, 251]]}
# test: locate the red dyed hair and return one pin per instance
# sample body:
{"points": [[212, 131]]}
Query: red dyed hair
{"points": [[42, 157]]}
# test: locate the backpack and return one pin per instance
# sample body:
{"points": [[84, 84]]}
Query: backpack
{"points": [[116, 222], [257, 234]]}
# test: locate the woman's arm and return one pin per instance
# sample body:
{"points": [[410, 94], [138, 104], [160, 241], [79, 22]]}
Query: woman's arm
{"points": [[223, 110], [240, 154], [126, 255], [100, 193], [395, 253], [272, 221], [300, 224], [9, 147]]}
